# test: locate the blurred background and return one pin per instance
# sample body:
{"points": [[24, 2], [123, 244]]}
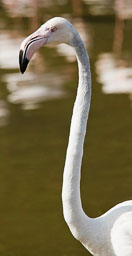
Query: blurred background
{"points": [[35, 113]]}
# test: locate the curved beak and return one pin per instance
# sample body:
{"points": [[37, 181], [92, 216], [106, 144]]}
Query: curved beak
{"points": [[30, 45], [23, 61]]}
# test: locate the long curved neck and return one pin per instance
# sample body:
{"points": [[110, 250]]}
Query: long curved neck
{"points": [[72, 207]]}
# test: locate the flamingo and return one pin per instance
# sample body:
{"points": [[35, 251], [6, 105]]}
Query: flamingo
{"points": [[111, 233]]}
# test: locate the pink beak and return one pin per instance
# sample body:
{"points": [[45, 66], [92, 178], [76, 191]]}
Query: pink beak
{"points": [[30, 45]]}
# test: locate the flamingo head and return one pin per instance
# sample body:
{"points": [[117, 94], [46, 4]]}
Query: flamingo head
{"points": [[56, 30]]}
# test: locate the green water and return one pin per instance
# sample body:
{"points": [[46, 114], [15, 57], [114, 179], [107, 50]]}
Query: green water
{"points": [[33, 145]]}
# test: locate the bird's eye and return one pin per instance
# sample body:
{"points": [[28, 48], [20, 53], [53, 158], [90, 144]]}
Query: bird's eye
{"points": [[53, 29]]}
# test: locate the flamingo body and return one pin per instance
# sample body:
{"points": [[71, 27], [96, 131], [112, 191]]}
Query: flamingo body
{"points": [[111, 233]]}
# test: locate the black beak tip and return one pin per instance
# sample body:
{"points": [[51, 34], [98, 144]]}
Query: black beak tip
{"points": [[23, 61]]}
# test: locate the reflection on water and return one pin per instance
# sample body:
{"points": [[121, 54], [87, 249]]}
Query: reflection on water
{"points": [[31, 89], [4, 113], [9, 53], [123, 9], [114, 74], [99, 7], [33, 143], [20, 7]]}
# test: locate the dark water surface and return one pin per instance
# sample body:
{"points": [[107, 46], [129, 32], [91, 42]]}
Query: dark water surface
{"points": [[35, 113]]}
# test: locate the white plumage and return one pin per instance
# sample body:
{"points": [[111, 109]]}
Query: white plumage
{"points": [[111, 233]]}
